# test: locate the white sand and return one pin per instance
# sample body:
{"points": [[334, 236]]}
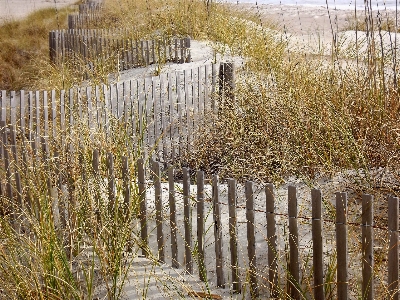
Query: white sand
{"points": [[14, 9]]}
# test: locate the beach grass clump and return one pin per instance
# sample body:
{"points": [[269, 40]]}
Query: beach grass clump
{"points": [[25, 46], [71, 237]]}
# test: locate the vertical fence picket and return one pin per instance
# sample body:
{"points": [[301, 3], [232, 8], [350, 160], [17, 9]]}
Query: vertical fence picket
{"points": [[155, 117], [172, 222], [179, 111], [159, 210], [143, 206], [318, 263], [233, 236], [393, 255], [54, 115], [31, 119], [200, 225], [272, 242], [187, 220], [126, 185], [96, 175], [341, 246], [7, 206], [367, 247], [10, 126], [3, 118], [188, 118], [27, 202], [171, 114], [294, 277], [37, 123], [251, 240], [219, 257], [163, 107], [111, 184], [46, 115], [17, 175]]}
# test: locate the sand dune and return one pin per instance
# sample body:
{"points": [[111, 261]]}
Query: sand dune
{"points": [[14, 9]]}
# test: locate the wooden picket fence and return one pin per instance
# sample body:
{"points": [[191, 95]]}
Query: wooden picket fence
{"points": [[114, 46], [165, 219], [88, 16], [197, 248], [159, 114]]}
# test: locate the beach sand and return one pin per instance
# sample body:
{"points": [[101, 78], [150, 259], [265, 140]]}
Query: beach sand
{"points": [[15, 9]]}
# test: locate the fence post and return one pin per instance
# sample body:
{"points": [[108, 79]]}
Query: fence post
{"points": [[200, 225], [188, 57], [341, 245], [159, 208], [227, 81], [143, 206], [187, 220], [218, 233], [271, 239], [393, 255], [172, 208], [294, 279], [251, 240], [367, 247], [52, 46], [233, 235], [71, 23], [318, 263]]}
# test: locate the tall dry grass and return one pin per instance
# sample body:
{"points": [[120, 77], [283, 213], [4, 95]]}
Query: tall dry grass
{"points": [[291, 115]]}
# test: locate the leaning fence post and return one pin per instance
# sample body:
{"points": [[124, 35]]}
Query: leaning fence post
{"points": [[158, 203], [187, 220], [218, 233], [341, 245], [393, 255], [143, 207], [294, 278], [271, 239], [318, 263], [172, 208], [251, 240], [233, 235], [200, 225]]}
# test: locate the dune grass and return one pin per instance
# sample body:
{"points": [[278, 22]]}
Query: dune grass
{"points": [[292, 115], [24, 47]]}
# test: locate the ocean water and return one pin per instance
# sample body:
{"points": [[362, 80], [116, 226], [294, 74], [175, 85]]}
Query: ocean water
{"points": [[338, 4]]}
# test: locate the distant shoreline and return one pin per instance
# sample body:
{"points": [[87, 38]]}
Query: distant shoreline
{"points": [[301, 19]]}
